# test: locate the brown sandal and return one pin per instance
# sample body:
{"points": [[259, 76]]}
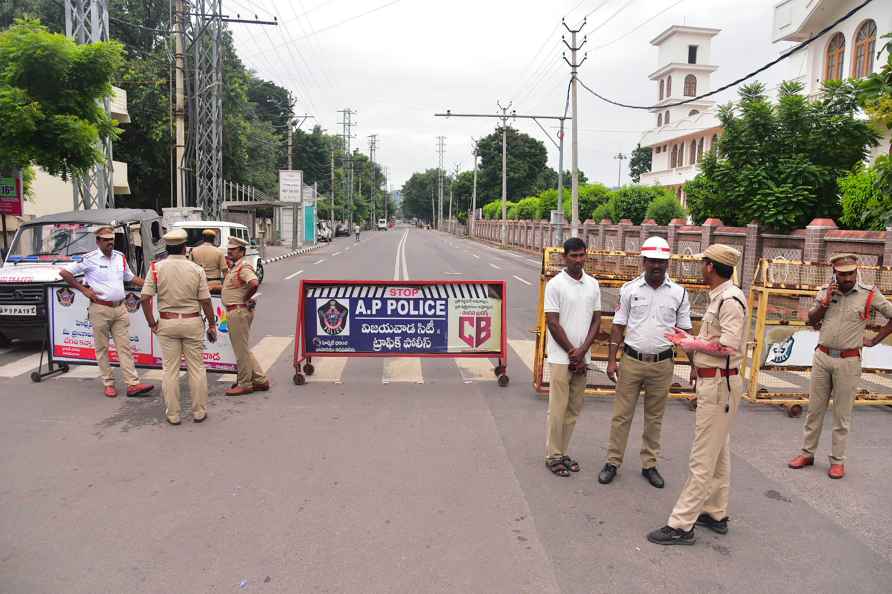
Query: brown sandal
{"points": [[570, 464], [556, 466]]}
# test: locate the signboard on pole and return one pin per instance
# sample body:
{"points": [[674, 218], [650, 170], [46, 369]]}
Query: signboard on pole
{"points": [[401, 319], [291, 183], [11, 189], [71, 334]]}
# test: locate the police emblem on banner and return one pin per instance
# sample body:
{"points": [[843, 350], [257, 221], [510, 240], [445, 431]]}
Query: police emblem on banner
{"points": [[333, 317], [131, 302], [65, 297]]}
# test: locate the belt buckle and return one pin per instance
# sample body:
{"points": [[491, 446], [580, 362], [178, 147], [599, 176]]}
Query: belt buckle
{"points": [[835, 353], [649, 358]]}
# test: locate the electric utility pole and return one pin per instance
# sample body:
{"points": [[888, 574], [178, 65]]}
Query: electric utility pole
{"points": [[373, 144], [291, 129], [441, 150], [574, 151], [332, 213], [451, 189], [504, 116], [619, 170], [473, 219]]}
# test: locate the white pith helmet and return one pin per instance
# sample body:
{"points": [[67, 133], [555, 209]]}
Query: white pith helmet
{"points": [[656, 248]]}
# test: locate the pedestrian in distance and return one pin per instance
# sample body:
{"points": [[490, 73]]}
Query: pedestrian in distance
{"points": [[841, 311], [715, 356], [355, 232], [573, 315], [211, 258], [649, 307], [182, 290], [105, 270], [239, 287]]}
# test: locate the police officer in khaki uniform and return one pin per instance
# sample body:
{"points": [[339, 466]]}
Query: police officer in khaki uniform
{"points": [[211, 258], [715, 355], [239, 287], [182, 291], [841, 311]]}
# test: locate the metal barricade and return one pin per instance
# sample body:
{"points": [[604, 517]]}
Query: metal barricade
{"points": [[778, 362], [613, 269]]}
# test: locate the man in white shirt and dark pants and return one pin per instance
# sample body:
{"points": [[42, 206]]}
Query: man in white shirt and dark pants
{"points": [[649, 307], [105, 270], [573, 314]]}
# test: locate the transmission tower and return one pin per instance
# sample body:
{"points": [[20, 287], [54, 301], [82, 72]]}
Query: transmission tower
{"points": [[347, 135], [86, 21], [441, 152]]}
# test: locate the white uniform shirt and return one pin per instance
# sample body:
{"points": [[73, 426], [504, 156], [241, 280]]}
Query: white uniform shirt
{"points": [[574, 301], [105, 276], [649, 313]]}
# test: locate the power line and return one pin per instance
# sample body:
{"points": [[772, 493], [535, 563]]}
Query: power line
{"points": [[611, 17], [639, 26], [734, 83]]}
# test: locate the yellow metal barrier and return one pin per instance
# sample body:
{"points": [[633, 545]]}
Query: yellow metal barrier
{"points": [[613, 269], [779, 359]]}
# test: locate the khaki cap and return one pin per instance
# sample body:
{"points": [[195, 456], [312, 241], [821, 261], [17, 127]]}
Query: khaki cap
{"points": [[844, 262], [237, 242], [175, 237], [721, 253], [105, 233], [209, 233]]}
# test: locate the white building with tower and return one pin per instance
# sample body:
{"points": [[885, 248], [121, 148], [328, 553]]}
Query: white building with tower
{"points": [[681, 133]]}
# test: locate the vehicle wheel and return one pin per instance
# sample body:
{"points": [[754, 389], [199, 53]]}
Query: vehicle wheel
{"points": [[309, 369], [503, 380], [299, 379], [499, 370], [259, 271], [64, 368], [35, 377]]}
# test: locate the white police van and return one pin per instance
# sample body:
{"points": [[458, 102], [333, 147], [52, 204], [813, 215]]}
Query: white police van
{"points": [[224, 230]]}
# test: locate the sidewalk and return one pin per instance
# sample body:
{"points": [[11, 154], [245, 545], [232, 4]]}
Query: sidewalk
{"points": [[274, 253]]}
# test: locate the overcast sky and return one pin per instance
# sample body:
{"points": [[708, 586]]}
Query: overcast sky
{"points": [[397, 62]]}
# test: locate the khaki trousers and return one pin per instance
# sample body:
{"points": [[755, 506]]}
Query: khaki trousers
{"points": [[183, 338], [709, 481], [249, 372], [655, 379], [115, 321], [836, 377], [566, 393]]}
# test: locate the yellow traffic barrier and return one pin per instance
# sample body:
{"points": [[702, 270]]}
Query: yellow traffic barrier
{"points": [[778, 362], [613, 269]]}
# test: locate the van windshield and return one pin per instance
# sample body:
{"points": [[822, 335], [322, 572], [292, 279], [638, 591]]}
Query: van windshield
{"points": [[53, 241], [195, 236]]}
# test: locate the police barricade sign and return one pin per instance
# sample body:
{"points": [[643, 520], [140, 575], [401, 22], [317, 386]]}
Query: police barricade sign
{"points": [[400, 319], [71, 334]]}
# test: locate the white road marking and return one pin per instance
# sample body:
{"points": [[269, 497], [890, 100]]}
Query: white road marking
{"points": [[533, 261], [23, 365], [402, 369], [400, 258], [320, 261], [336, 254], [328, 369], [497, 267], [475, 370], [476, 256], [291, 276], [525, 349], [82, 372], [523, 281], [267, 352]]}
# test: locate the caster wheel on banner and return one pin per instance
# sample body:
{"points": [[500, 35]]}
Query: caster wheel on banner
{"points": [[499, 370], [794, 411], [299, 379], [503, 380], [692, 404], [35, 377], [309, 369]]}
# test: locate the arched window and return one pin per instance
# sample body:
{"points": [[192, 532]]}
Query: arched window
{"points": [[692, 155], [865, 44], [673, 159], [669, 86], [700, 150], [836, 51], [714, 143], [662, 88], [690, 86], [659, 119], [693, 112], [666, 119]]}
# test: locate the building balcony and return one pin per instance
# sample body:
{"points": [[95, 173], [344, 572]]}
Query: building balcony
{"points": [[670, 177]]}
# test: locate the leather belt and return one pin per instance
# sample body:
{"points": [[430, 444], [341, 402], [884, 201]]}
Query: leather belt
{"points": [[645, 358], [839, 353], [168, 315], [236, 306], [714, 371], [108, 303]]}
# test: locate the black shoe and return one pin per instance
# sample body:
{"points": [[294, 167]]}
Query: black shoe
{"points": [[667, 535], [707, 521], [607, 474], [653, 477]]}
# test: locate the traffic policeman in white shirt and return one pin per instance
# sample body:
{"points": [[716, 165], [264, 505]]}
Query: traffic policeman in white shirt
{"points": [[573, 314], [105, 270], [649, 307]]}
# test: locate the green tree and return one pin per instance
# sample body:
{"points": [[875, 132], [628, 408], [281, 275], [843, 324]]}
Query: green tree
{"points": [[630, 202], [875, 91], [779, 163], [640, 162], [528, 209], [420, 195], [664, 208], [866, 201], [525, 162], [49, 93]]}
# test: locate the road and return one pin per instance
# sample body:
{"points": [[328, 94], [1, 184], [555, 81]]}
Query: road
{"points": [[412, 475]]}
